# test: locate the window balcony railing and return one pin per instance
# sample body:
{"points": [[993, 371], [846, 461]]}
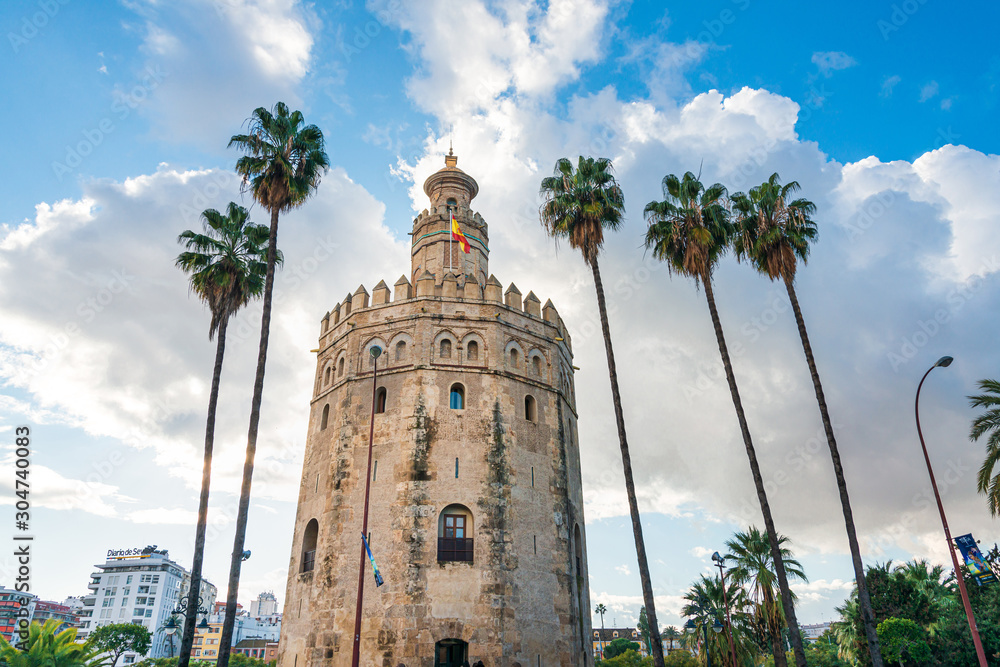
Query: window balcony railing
{"points": [[455, 549]]}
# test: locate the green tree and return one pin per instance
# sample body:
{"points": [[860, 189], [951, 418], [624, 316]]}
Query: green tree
{"points": [[681, 658], [618, 647], [706, 608], [773, 232], [988, 423], [227, 266], [45, 647], [902, 639], [580, 205], [690, 230], [282, 166], [753, 569], [643, 627], [629, 658], [118, 638]]}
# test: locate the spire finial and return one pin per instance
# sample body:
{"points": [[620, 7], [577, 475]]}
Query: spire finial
{"points": [[450, 160]]}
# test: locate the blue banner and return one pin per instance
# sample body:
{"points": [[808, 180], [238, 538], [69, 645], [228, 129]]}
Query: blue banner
{"points": [[974, 560], [378, 577]]}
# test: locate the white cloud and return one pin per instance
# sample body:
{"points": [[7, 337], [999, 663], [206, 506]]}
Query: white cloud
{"points": [[701, 552], [829, 62], [889, 84], [929, 90], [624, 569], [821, 589]]}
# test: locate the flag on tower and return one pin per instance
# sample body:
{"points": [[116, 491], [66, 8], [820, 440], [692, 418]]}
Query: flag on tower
{"points": [[457, 234]]}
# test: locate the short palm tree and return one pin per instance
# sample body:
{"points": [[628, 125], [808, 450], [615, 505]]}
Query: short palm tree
{"points": [[773, 232], [690, 230], [988, 424], [752, 567], [227, 266], [580, 204], [706, 610], [671, 634], [602, 610], [283, 163], [46, 647]]}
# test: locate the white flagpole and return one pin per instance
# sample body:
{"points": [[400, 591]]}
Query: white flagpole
{"points": [[451, 237]]}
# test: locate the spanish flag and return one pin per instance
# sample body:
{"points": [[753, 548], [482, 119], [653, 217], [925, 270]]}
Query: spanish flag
{"points": [[457, 234]]}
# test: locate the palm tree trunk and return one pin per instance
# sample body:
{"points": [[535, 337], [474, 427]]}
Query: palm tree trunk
{"points": [[773, 626], [633, 505], [225, 642], [765, 508], [191, 613], [864, 600]]}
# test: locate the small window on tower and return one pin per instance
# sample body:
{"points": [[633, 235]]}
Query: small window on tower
{"points": [[380, 400], [340, 367], [326, 417], [401, 350], [472, 351], [445, 349], [514, 358], [530, 410], [536, 366], [457, 400]]}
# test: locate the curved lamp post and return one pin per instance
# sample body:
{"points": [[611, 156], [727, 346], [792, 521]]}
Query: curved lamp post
{"points": [[691, 627], [719, 561], [375, 351], [944, 362]]}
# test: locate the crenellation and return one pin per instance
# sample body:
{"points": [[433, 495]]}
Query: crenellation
{"points": [[359, 300], [494, 289], [449, 286], [380, 294], [512, 297], [425, 284], [403, 289], [532, 306]]}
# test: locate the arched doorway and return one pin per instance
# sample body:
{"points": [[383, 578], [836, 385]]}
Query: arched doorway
{"points": [[450, 653]]}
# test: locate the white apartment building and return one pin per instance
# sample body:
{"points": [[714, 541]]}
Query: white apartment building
{"points": [[265, 605], [138, 586]]}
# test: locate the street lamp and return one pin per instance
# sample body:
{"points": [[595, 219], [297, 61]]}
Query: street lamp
{"points": [[690, 627], [375, 351], [720, 562], [170, 627], [944, 362]]}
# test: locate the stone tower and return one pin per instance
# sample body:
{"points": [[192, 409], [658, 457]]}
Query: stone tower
{"points": [[476, 514]]}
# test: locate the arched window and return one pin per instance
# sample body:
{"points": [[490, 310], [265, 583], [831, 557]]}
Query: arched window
{"points": [[401, 350], [380, 396], [515, 358], [326, 417], [445, 349], [536, 366], [340, 367], [455, 534], [472, 351], [457, 398], [530, 409], [327, 374], [309, 546]]}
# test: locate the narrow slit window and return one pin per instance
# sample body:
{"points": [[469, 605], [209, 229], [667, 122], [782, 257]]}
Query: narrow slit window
{"points": [[456, 467], [340, 367], [534, 541], [325, 418], [375, 470], [532, 476], [380, 397]]}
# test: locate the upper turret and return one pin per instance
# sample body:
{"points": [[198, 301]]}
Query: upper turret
{"points": [[451, 191]]}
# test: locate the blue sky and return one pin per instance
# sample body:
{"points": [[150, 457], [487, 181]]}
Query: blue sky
{"points": [[119, 115]]}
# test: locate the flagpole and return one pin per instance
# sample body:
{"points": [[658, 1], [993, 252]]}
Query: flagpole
{"points": [[375, 351], [451, 235]]}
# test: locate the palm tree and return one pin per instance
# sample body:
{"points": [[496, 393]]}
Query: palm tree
{"points": [[45, 647], [671, 634], [580, 204], [602, 610], [753, 569], [690, 230], [988, 423], [282, 167], [227, 266], [706, 609], [774, 232]]}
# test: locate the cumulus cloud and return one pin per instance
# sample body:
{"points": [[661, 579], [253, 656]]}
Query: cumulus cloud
{"points": [[829, 62]]}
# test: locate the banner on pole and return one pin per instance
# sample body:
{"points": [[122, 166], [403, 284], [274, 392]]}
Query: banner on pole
{"points": [[378, 577], [974, 560]]}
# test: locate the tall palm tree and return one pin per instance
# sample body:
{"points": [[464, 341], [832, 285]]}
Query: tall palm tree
{"points": [[690, 230], [988, 423], [282, 166], [753, 569], [227, 266], [706, 607], [671, 634], [602, 610], [773, 234], [580, 205]]}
